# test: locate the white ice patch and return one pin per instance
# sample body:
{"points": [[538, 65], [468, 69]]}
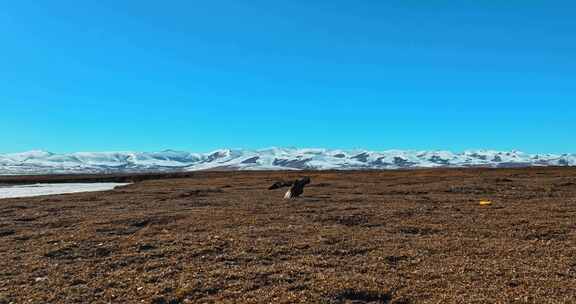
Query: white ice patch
{"points": [[50, 189]]}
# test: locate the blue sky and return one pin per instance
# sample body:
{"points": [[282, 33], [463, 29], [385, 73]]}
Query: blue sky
{"points": [[199, 75]]}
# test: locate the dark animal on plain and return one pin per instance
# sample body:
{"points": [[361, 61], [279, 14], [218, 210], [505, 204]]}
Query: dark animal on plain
{"points": [[296, 187]]}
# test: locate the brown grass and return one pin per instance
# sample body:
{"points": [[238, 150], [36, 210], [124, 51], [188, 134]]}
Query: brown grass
{"points": [[354, 237]]}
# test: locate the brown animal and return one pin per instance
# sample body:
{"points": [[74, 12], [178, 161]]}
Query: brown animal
{"points": [[296, 187]]}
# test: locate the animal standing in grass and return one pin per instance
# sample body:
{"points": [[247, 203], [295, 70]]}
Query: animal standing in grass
{"points": [[296, 187]]}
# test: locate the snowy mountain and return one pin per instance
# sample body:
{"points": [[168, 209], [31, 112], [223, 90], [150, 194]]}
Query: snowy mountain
{"points": [[41, 162]]}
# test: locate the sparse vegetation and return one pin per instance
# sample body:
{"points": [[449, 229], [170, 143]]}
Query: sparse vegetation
{"points": [[354, 237]]}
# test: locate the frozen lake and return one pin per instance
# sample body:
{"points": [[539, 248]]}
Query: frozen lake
{"points": [[50, 189]]}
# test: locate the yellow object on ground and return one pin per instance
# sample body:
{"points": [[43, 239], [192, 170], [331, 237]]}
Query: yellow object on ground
{"points": [[485, 203]]}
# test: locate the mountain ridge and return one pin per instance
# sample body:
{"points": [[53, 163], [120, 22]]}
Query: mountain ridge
{"points": [[44, 162]]}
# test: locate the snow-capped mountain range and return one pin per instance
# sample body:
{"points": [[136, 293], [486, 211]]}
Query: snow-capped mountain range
{"points": [[41, 162]]}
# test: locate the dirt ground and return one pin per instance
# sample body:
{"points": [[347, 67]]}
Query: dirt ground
{"points": [[354, 237]]}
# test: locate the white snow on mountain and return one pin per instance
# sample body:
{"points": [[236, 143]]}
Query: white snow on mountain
{"points": [[41, 162]]}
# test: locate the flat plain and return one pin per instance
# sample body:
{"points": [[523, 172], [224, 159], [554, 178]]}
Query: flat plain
{"points": [[416, 236]]}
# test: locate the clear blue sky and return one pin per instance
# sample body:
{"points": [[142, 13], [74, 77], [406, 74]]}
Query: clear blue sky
{"points": [[199, 75]]}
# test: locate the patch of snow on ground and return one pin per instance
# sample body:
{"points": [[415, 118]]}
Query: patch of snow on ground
{"points": [[50, 189]]}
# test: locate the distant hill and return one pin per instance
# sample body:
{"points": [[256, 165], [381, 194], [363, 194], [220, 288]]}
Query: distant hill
{"points": [[41, 162]]}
